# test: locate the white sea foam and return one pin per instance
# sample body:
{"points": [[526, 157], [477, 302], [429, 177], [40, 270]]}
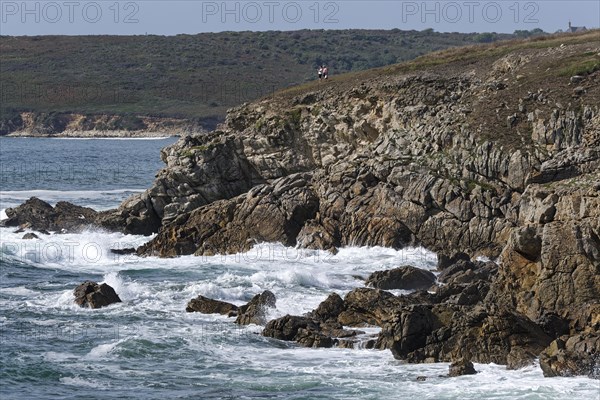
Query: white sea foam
{"points": [[102, 350], [89, 251], [54, 356], [58, 195], [82, 382], [214, 291], [151, 324], [17, 291]]}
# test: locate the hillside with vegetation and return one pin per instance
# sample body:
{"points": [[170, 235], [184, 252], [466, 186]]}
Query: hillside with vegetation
{"points": [[190, 79]]}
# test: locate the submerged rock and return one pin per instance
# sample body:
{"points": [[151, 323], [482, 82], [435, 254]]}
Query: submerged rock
{"points": [[91, 294]]}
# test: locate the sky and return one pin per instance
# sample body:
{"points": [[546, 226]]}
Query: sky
{"points": [[163, 17]]}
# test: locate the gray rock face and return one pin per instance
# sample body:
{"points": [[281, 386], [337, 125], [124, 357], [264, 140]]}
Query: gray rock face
{"points": [[445, 261], [286, 328], [466, 271], [254, 312], [406, 277], [444, 332], [268, 213], [527, 242], [92, 295], [366, 306], [424, 159]]}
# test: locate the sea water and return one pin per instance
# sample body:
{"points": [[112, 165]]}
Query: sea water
{"points": [[148, 347]]}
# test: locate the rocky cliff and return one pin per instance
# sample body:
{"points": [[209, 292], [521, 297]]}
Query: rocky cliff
{"points": [[491, 151], [493, 155], [456, 156]]}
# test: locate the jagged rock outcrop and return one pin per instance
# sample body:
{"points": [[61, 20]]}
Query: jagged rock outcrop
{"points": [[66, 217], [94, 295], [267, 213], [570, 356], [255, 312], [388, 162], [38, 215], [452, 324], [319, 328], [444, 332], [576, 349]]}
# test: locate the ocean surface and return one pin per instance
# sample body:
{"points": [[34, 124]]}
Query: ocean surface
{"points": [[148, 347]]}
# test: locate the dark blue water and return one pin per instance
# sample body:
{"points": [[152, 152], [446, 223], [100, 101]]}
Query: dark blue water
{"points": [[93, 172], [148, 347]]}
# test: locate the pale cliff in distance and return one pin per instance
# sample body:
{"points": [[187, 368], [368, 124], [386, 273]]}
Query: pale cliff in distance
{"points": [[32, 124]]}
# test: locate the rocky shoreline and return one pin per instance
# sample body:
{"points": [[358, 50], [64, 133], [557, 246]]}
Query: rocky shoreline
{"points": [[96, 134], [494, 156], [76, 125]]}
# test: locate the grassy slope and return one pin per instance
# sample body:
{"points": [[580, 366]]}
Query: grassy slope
{"points": [[457, 58], [545, 69], [191, 76]]}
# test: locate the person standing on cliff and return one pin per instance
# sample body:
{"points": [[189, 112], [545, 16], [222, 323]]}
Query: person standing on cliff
{"points": [[320, 72], [325, 72]]}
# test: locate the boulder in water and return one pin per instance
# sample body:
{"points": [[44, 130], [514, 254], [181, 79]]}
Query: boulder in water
{"points": [[255, 311], [461, 367], [93, 295], [205, 305], [40, 216]]}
